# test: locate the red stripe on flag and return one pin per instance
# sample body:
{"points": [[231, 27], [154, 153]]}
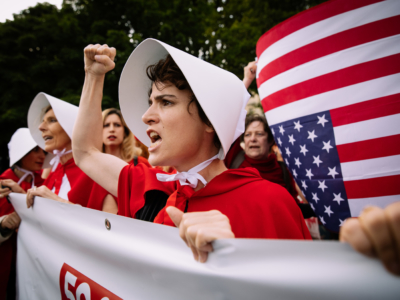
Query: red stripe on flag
{"points": [[371, 109], [313, 15], [334, 43], [375, 148], [373, 187], [345, 77]]}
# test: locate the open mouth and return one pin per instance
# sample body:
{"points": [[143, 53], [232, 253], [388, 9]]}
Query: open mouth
{"points": [[254, 147], [155, 139], [47, 138], [112, 137]]}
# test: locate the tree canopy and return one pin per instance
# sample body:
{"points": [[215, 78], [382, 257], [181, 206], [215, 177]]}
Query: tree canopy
{"points": [[41, 50]]}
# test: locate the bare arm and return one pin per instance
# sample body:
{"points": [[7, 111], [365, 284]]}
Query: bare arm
{"points": [[87, 135], [249, 73]]}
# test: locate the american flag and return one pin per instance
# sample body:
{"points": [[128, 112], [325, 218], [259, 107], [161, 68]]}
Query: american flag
{"points": [[329, 80]]}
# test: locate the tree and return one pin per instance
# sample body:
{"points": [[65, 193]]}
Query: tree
{"points": [[41, 50]]}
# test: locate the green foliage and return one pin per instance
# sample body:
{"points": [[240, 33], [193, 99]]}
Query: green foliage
{"points": [[41, 50]]}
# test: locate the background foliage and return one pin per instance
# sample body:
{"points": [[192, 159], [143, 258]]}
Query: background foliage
{"points": [[41, 50]]}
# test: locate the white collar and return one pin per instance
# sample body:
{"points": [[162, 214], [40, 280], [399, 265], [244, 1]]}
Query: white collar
{"points": [[26, 174], [56, 159], [192, 175]]}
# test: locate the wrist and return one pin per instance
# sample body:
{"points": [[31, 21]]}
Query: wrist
{"points": [[94, 77]]}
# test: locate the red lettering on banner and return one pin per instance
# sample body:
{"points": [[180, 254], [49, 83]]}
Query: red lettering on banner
{"points": [[76, 286]]}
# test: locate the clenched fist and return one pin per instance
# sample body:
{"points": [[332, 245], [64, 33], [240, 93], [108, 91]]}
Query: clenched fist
{"points": [[99, 59]]}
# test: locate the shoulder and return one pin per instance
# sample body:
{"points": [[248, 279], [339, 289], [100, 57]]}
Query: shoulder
{"points": [[8, 174]]}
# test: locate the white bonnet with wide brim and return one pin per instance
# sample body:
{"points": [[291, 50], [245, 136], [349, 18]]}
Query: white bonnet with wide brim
{"points": [[65, 113], [221, 94], [21, 144]]}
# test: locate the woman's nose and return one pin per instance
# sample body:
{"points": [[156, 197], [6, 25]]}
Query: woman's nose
{"points": [[42, 126], [150, 116]]}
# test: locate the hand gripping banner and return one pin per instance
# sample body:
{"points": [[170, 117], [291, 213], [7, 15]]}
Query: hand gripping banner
{"points": [[328, 80], [69, 252]]}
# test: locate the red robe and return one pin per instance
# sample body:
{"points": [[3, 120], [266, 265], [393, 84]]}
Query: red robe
{"points": [[269, 168], [8, 248], [5, 207], [98, 193], [242, 195], [81, 184]]}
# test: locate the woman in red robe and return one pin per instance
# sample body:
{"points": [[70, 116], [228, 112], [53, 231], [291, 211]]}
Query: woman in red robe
{"points": [[26, 161], [119, 141], [194, 113], [51, 121]]}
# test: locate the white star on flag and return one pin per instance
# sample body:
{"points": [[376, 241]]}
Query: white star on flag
{"points": [[304, 185], [341, 222], [288, 151], [315, 197], [297, 125], [294, 173], [311, 135], [291, 139], [327, 146], [322, 185], [309, 174], [297, 162], [279, 141], [332, 172], [273, 131], [287, 162], [312, 206], [317, 161], [281, 130], [328, 210], [322, 120], [337, 198], [321, 218], [303, 149]]}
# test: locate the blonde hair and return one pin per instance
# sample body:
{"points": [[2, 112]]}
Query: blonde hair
{"points": [[129, 150]]}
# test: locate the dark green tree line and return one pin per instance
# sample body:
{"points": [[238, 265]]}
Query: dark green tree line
{"points": [[41, 50]]}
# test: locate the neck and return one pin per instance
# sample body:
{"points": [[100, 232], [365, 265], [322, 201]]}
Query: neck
{"points": [[214, 169], [66, 157], [113, 150], [19, 174]]}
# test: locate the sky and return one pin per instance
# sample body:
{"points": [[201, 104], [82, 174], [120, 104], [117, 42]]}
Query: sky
{"points": [[10, 7]]}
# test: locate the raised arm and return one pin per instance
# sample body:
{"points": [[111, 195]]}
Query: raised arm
{"points": [[249, 73], [87, 135]]}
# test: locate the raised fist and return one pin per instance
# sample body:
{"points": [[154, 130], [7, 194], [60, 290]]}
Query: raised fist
{"points": [[99, 59]]}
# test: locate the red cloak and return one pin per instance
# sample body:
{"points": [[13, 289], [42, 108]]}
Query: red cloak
{"points": [[269, 168], [255, 207]]}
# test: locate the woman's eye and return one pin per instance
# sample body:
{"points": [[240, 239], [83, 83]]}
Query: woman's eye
{"points": [[53, 120], [166, 103], [117, 125], [106, 125]]}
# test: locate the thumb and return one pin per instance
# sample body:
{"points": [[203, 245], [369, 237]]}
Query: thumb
{"points": [[175, 214]]}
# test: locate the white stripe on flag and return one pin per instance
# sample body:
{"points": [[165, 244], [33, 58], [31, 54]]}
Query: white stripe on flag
{"points": [[357, 205], [331, 63], [328, 27], [371, 168], [367, 130], [359, 92]]}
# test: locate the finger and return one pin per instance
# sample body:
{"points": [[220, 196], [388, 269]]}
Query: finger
{"points": [[374, 223], [195, 253], [113, 53], [203, 256], [175, 214], [103, 50], [352, 233], [392, 214], [105, 60]]}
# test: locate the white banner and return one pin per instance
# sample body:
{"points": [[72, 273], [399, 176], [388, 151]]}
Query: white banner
{"points": [[65, 251]]}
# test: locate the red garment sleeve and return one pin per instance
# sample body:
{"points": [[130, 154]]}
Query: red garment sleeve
{"points": [[133, 183]]}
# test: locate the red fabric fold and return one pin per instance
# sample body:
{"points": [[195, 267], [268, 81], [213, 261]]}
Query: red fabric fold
{"points": [[177, 199]]}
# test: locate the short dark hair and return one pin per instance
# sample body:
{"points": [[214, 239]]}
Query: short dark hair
{"points": [[257, 118], [166, 70]]}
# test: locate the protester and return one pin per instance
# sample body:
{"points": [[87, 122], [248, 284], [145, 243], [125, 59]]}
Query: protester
{"points": [[50, 122], [187, 132], [118, 140], [376, 233], [26, 161]]}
